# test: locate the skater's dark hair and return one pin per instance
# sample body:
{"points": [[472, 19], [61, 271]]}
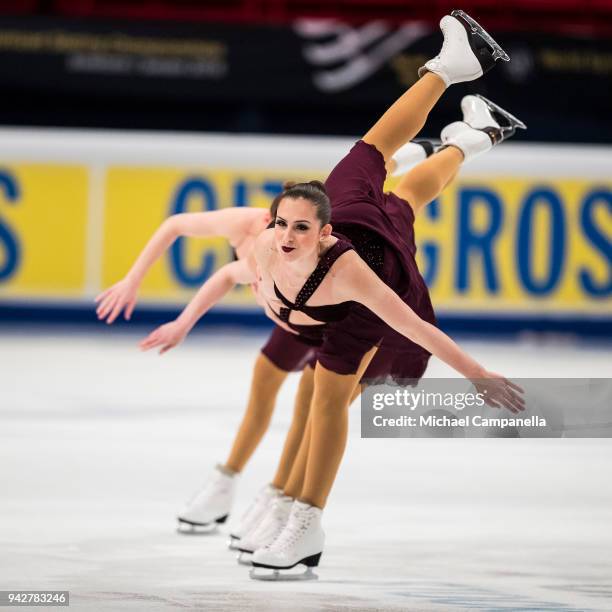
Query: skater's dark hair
{"points": [[313, 191]]}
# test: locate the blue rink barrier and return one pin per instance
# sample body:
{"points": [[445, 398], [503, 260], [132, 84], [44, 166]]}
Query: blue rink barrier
{"points": [[473, 324]]}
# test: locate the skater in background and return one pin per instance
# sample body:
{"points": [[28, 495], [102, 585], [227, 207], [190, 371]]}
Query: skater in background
{"points": [[358, 291], [283, 352]]}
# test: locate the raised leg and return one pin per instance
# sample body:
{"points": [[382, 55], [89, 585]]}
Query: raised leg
{"points": [[297, 429], [467, 53], [328, 429], [406, 117], [267, 380], [425, 181]]}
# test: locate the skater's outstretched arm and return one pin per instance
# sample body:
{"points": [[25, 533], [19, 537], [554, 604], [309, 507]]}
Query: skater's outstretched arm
{"points": [[219, 284], [232, 223], [355, 281]]}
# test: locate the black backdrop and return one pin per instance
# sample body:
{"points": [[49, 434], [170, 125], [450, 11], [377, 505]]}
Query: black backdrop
{"points": [[174, 76]]}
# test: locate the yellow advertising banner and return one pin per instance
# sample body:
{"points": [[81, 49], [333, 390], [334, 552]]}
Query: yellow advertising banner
{"points": [[43, 225], [506, 245], [488, 244], [518, 245]]}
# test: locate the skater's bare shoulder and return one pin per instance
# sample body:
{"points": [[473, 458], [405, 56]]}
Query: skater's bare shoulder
{"points": [[262, 255], [350, 277], [265, 249]]}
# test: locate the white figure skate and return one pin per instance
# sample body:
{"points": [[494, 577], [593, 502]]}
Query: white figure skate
{"points": [[252, 517], [467, 53], [268, 529], [412, 153], [209, 507], [300, 543], [479, 112], [484, 125]]}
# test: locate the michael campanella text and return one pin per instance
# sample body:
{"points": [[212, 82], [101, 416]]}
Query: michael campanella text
{"points": [[466, 421]]}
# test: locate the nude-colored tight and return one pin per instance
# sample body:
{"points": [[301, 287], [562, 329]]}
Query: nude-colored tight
{"points": [[316, 440], [322, 448], [324, 442], [402, 122], [266, 382]]}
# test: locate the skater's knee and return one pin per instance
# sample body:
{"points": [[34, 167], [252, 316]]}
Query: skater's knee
{"points": [[418, 193], [259, 414], [385, 146], [329, 408]]}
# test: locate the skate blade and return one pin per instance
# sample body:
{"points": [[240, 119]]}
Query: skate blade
{"points": [[497, 51], [435, 142], [233, 543], [514, 121], [189, 528], [280, 576], [242, 560]]}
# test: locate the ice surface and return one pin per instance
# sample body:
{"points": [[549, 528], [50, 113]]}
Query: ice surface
{"points": [[100, 445]]}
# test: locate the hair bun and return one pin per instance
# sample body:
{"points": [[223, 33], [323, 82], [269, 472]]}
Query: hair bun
{"points": [[289, 185], [318, 185]]}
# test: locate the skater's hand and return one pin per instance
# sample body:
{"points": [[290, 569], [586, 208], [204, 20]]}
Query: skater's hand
{"points": [[112, 301], [167, 336], [499, 392]]}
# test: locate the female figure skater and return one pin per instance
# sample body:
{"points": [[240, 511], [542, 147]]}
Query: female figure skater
{"points": [[358, 291], [284, 352]]}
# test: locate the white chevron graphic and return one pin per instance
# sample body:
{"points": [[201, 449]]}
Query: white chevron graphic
{"points": [[348, 45]]}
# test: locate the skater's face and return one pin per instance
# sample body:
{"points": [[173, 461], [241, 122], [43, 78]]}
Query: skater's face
{"points": [[297, 230]]}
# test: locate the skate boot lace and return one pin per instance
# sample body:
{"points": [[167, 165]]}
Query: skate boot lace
{"points": [[298, 524], [444, 42], [258, 501], [274, 523], [277, 514], [437, 60]]}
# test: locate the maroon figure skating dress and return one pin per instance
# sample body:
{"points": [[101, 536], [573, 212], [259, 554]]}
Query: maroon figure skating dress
{"points": [[380, 228]]}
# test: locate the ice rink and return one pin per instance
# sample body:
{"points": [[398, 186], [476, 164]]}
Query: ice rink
{"points": [[100, 445]]}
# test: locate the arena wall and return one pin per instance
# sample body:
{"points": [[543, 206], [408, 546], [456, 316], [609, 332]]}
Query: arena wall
{"points": [[522, 240]]}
